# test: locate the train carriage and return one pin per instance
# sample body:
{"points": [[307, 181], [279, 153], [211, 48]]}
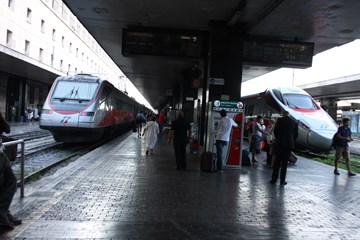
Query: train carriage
{"points": [[316, 127], [86, 108]]}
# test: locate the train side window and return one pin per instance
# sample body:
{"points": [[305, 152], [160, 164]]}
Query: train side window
{"points": [[105, 93]]}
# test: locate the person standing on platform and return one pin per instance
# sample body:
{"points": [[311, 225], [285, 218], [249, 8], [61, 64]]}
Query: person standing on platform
{"points": [[269, 140], [342, 138], [161, 121], [151, 130], [8, 183], [222, 137], [180, 131], [257, 136], [286, 132], [140, 119], [250, 128]]}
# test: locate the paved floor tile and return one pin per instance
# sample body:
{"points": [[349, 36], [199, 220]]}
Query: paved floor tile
{"points": [[117, 192]]}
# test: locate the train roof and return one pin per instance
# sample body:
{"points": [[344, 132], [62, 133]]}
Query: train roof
{"points": [[82, 76], [283, 90]]}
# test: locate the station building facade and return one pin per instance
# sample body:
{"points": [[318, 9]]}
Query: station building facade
{"points": [[40, 40]]}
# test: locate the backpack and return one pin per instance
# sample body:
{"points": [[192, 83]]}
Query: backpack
{"points": [[139, 119], [245, 158], [334, 140]]}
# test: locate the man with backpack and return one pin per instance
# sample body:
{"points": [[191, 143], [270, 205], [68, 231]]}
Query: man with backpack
{"points": [[341, 140], [140, 119]]}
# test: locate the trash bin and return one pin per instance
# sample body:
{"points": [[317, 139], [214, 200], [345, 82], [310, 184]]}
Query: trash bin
{"points": [[10, 151]]}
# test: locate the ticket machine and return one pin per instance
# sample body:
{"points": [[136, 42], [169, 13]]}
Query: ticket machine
{"points": [[232, 152]]}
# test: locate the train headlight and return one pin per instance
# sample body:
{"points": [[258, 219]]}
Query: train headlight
{"points": [[303, 125], [87, 114], [46, 111]]}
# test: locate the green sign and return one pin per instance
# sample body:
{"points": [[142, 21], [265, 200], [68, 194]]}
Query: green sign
{"points": [[228, 106]]}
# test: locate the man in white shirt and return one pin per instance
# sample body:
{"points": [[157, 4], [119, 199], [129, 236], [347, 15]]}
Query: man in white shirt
{"points": [[222, 137]]}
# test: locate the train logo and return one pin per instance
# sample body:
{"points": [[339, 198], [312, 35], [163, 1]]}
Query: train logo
{"points": [[65, 119]]}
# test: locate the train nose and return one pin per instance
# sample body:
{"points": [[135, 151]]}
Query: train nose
{"points": [[320, 139]]}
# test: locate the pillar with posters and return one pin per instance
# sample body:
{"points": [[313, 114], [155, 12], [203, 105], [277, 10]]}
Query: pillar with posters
{"points": [[232, 152]]}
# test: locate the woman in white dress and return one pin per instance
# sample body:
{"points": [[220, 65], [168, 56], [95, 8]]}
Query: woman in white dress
{"points": [[151, 130]]}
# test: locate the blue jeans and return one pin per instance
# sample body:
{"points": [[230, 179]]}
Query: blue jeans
{"points": [[219, 151]]}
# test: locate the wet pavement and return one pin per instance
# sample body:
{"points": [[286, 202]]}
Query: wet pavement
{"points": [[118, 192]]}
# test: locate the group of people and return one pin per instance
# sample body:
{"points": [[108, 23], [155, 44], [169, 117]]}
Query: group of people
{"points": [[179, 134], [149, 126], [31, 113], [279, 138], [279, 141]]}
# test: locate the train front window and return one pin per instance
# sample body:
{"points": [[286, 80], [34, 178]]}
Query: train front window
{"points": [[300, 101], [78, 91]]}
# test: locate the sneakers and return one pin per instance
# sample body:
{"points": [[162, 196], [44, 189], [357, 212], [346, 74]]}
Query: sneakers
{"points": [[351, 174]]}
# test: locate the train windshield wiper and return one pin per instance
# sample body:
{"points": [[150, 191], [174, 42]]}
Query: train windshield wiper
{"points": [[78, 96], [68, 95], [291, 105]]}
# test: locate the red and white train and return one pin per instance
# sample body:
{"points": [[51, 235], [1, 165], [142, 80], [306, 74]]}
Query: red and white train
{"points": [[86, 108], [316, 127]]}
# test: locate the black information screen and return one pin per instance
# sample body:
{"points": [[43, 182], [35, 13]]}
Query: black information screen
{"points": [[278, 53], [163, 43]]}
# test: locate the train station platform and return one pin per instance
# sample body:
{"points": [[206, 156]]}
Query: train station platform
{"points": [[119, 192]]}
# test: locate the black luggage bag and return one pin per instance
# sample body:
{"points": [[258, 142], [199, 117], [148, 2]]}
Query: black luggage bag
{"points": [[245, 161], [293, 158], [207, 162]]}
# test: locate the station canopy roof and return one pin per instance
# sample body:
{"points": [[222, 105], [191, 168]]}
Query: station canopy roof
{"points": [[325, 23]]}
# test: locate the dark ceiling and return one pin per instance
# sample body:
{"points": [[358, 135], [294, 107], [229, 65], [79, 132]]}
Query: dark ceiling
{"points": [[327, 23]]}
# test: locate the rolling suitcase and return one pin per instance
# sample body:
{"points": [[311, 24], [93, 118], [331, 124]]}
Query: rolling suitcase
{"points": [[245, 161], [207, 162]]}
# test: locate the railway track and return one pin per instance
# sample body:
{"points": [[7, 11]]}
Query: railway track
{"points": [[44, 154]]}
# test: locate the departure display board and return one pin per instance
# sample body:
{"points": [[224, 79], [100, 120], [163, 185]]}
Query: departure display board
{"points": [[163, 42], [278, 53]]}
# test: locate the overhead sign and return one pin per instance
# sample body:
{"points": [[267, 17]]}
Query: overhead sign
{"points": [[163, 42], [216, 81], [278, 53], [229, 106]]}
